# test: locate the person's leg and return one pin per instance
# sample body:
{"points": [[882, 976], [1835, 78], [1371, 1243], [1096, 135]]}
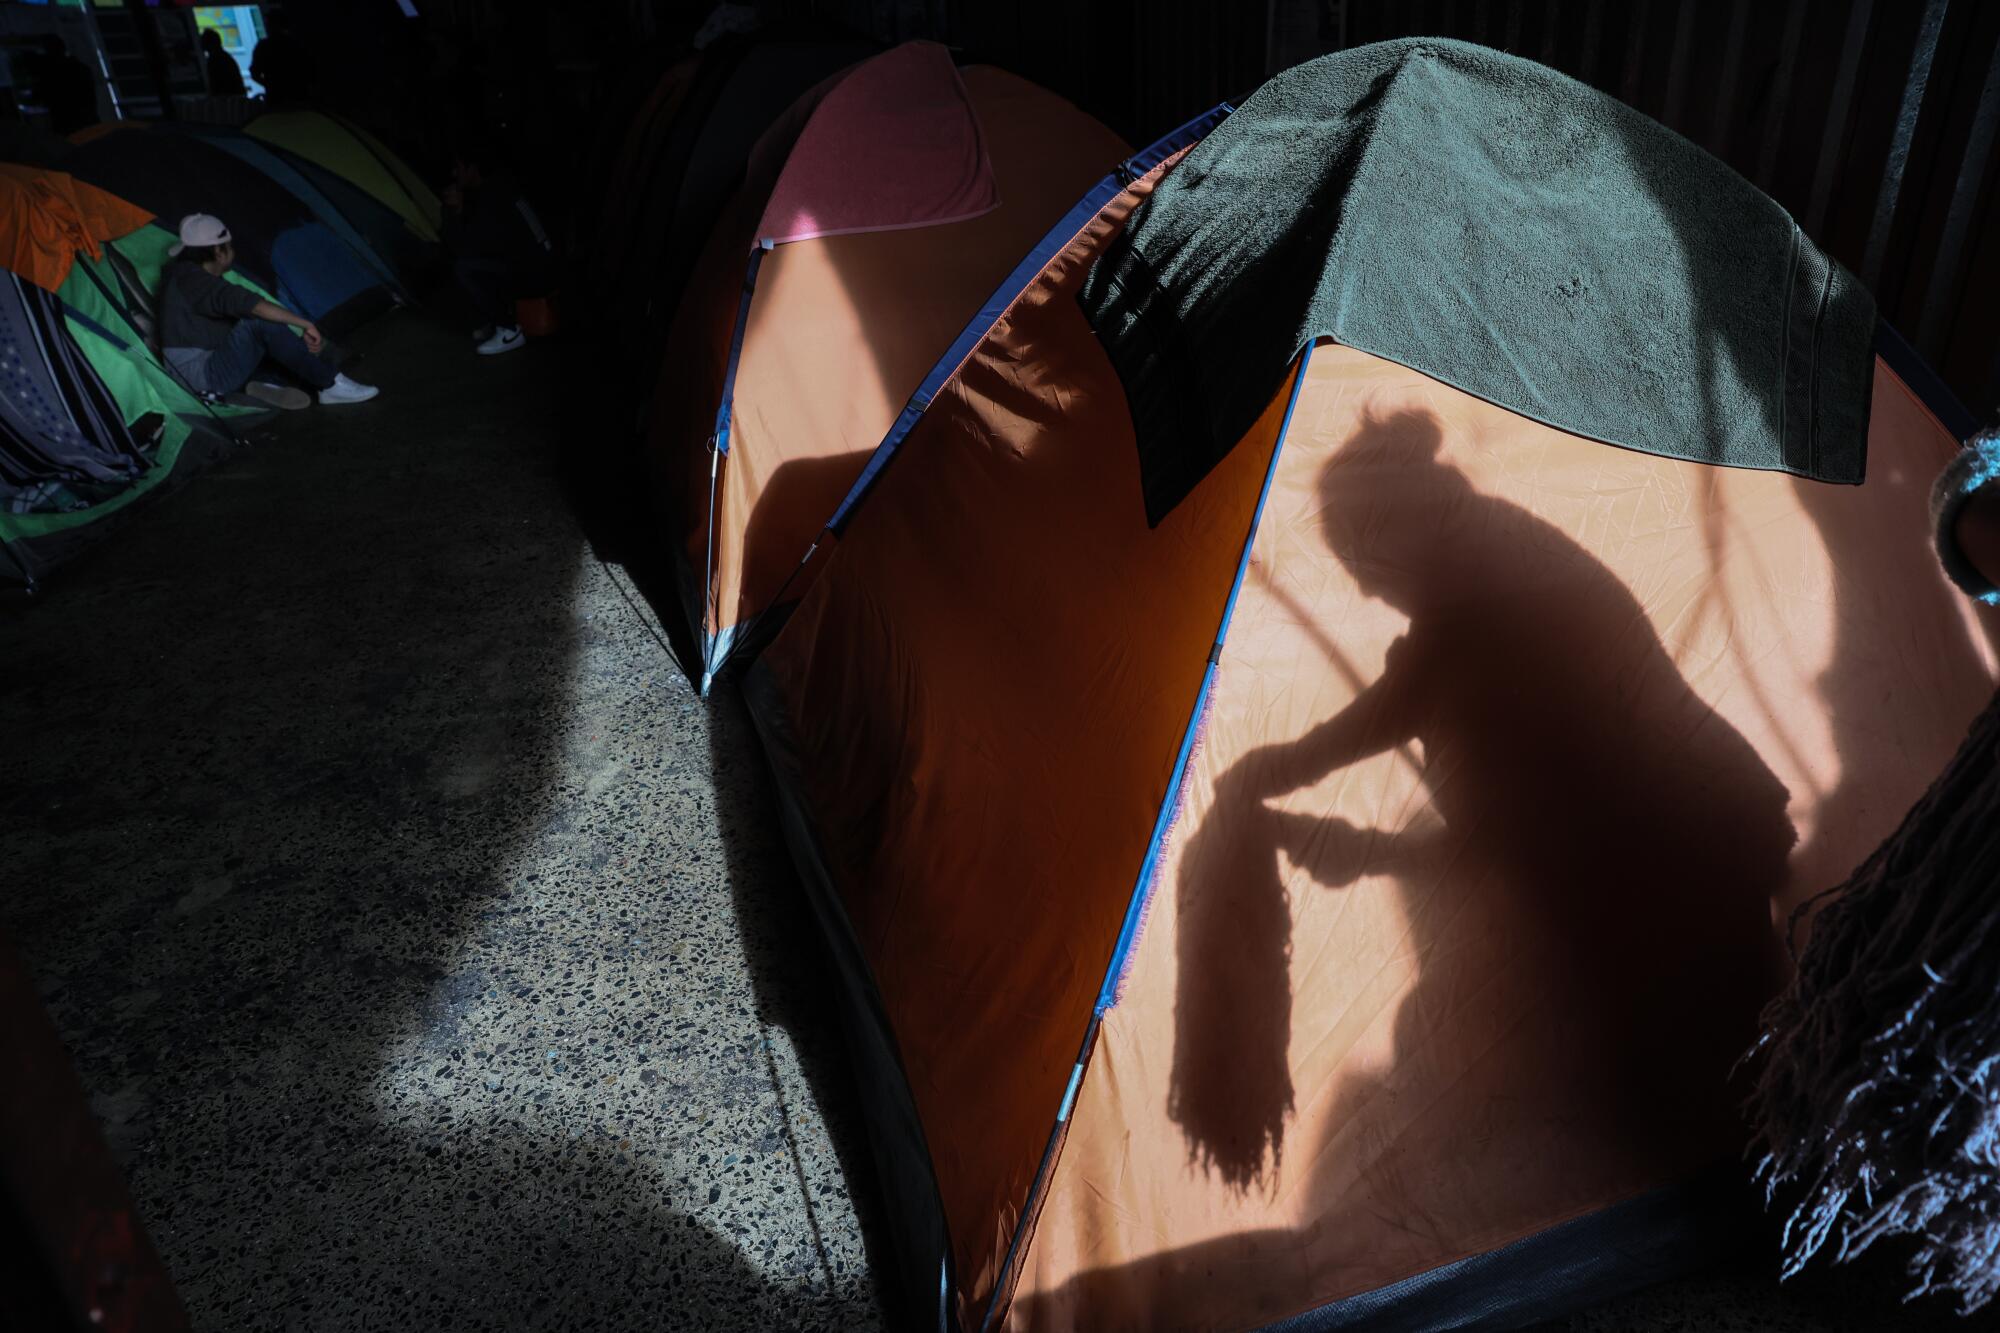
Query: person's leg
{"points": [[289, 350], [230, 366], [489, 281], [247, 347], [484, 281]]}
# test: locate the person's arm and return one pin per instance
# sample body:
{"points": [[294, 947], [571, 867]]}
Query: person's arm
{"points": [[220, 299], [277, 314], [1375, 720]]}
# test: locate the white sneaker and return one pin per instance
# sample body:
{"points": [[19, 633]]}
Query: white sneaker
{"points": [[345, 390], [503, 340]]}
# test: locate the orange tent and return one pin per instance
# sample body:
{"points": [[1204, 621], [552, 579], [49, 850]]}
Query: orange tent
{"points": [[878, 215], [1350, 896], [50, 216]]}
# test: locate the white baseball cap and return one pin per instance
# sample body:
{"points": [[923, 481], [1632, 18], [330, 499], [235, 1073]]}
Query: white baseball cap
{"points": [[200, 229]]}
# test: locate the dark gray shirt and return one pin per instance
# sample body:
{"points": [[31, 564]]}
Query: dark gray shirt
{"points": [[198, 309]]}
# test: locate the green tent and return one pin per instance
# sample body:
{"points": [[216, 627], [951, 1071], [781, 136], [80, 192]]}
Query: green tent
{"points": [[95, 387], [352, 153]]}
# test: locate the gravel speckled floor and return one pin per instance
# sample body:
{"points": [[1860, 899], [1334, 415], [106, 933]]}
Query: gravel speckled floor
{"points": [[426, 944], [370, 856]]}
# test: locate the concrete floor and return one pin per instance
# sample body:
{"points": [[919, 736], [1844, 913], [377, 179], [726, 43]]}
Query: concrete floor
{"points": [[414, 925], [426, 944]]}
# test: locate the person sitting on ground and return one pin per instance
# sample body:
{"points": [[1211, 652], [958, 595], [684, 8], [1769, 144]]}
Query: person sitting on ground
{"points": [[215, 334], [499, 248]]}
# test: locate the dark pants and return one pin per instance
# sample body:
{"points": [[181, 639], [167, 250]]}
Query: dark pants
{"points": [[250, 342], [490, 283]]}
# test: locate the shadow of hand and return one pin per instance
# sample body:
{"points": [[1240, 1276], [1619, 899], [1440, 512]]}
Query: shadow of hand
{"points": [[1332, 850]]}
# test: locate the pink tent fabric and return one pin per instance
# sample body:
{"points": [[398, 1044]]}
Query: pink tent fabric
{"points": [[893, 144]]}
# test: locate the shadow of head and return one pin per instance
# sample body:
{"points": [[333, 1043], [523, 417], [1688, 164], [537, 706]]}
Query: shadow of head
{"points": [[1383, 497]]}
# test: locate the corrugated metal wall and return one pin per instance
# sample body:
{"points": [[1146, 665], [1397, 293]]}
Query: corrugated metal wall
{"points": [[1876, 124]]}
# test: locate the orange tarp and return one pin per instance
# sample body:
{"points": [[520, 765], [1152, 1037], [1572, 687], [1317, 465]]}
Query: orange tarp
{"points": [[50, 215], [1520, 751], [842, 330]]}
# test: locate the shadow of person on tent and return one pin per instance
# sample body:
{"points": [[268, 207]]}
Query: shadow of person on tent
{"points": [[1589, 818]]}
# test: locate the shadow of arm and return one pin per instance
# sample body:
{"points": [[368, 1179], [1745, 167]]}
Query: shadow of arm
{"points": [[1375, 722]]}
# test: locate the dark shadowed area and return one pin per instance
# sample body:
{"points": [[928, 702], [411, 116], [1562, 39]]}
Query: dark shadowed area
{"points": [[420, 938]]}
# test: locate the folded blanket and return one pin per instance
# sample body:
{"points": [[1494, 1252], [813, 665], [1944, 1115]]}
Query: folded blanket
{"points": [[1499, 227]]}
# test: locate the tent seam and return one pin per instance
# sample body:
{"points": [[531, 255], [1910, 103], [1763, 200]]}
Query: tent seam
{"points": [[1135, 909]]}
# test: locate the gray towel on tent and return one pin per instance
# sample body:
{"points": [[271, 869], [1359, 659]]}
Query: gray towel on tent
{"points": [[1502, 228]]}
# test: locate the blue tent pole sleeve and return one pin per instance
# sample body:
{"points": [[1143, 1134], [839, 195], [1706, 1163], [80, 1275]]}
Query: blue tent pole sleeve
{"points": [[1135, 911], [1004, 1285], [720, 440], [1025, 272], [737, 353], [71, 312], [718, 449], [1183, 136], [294, 182], [708, 599], [1107, 995]]}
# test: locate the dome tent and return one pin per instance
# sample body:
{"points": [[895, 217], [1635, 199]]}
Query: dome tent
{"points": [[879, 218], [282, 245], [368, 228], [94, 422], [353, 154], [1335, 895]]}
